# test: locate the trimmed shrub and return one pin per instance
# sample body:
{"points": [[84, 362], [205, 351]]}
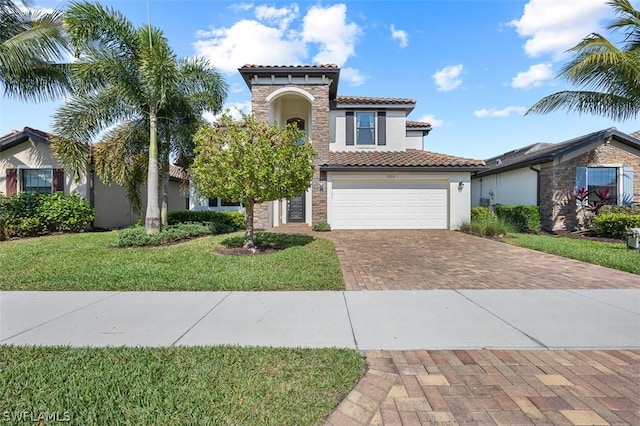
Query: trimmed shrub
{"points": [[523, 218], [136, 236], [234, 220], [28, 215], [322, 227], [482, 214], [615, 225], [491, 229]]}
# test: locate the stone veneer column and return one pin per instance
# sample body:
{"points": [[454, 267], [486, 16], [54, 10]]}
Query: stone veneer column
{"points": [[319, 134]]}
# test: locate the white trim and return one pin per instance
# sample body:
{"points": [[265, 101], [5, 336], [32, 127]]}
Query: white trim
{"points": [[288, 90]]}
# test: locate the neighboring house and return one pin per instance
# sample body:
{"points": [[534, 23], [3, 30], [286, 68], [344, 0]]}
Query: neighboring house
{"points": [[548, 175], [371, 172], [28, 165]]}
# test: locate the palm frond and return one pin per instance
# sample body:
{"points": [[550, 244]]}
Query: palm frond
{"points": [[583, 102]]}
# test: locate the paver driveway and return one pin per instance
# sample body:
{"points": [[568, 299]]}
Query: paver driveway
{"points": [[433, 259]]}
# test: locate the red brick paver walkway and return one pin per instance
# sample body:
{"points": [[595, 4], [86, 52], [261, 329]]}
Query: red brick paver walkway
{"points": [[489, 387], [432, 259]]}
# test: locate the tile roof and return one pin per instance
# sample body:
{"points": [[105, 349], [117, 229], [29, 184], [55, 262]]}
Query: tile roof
{"points": [[369, 100], [408, 158], [544, 152], [177, 172], [412, 124], [18, 136]]}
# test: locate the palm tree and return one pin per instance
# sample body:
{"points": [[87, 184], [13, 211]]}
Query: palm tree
{"points": [[117, 159], [610, 75], [32, 45], [122, 74]]}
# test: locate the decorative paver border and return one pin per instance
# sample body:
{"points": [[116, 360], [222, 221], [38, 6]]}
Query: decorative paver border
{"points": [[491, 387]]}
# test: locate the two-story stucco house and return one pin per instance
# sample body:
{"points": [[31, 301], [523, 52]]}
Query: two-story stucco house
{"points": [[371, 170]]}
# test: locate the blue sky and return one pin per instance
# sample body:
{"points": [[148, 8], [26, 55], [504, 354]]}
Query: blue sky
{"points": [[472, 66]]}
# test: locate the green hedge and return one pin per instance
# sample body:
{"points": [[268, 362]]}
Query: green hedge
{"points": [[234, 220], [482, 214], [524, 218], [28, 215], [137, 236], [615, 225]]}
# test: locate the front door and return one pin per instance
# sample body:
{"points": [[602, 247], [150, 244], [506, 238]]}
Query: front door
{"points": [[295, 209]]}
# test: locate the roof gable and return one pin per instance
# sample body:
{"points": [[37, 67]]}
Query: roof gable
{"points": [[17, 137]]}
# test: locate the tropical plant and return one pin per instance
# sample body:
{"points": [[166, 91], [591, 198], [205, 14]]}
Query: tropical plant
{"points": [[609, 74], [252, 162], [121, 156], [32, 45], [121, 74]]}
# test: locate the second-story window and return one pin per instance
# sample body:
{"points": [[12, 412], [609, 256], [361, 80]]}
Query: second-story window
{"points": [[365, 128]]}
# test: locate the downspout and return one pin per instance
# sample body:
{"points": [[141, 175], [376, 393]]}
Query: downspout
{"points": [[537, 184]]}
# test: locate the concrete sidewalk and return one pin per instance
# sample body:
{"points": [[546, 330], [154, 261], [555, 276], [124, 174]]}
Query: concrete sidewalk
{"points": [[385, 320]]}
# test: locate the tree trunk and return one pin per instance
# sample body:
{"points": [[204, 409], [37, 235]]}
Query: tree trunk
{"points": [[164, 208], [248, 234], [152, 219]]}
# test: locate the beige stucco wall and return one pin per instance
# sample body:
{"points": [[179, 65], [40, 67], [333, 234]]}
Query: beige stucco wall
{"points": [[36, 155], [397, 136], [517, 187]]}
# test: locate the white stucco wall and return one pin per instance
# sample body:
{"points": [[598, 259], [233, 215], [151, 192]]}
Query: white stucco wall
{"points": [[515, 187], [397, 139]]}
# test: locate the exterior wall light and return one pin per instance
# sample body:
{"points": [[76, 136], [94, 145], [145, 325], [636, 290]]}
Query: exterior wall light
{"points": [[460, 186]]}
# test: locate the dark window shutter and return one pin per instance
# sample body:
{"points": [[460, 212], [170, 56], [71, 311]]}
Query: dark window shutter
{"points": [[58, 180], [12, 181], [350, 128], [382, 128]]}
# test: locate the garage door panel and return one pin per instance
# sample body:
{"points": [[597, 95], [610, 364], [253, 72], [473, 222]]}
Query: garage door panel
{"points": [[397, 204]]}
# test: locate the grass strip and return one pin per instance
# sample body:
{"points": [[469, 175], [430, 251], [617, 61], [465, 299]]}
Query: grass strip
{"points": [[611, 255], [85, 262], [175, 386]]}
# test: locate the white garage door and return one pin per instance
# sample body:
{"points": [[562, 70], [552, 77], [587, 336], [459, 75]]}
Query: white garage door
{"points": [[389, 204]]}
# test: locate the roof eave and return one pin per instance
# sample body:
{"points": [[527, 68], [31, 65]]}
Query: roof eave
{"points": [[339, 167]]}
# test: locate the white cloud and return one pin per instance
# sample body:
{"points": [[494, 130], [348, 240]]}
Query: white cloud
{"points": [[533, 77], [431, 119], [448, 78], [282, 16], [400, 35], [552, 27], [352, 76], [504, 112], [273, 39], [248, 42], [328, 27], [235, 110]]}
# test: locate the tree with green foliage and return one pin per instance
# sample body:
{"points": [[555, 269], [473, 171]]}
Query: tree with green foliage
{"points": [[32, 47], [120, 157], [609, 74], [121, 74], [251, 162]]}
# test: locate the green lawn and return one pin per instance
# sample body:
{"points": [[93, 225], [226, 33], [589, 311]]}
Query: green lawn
{"points": [[175, 386], [612, 255], [85, 262]]}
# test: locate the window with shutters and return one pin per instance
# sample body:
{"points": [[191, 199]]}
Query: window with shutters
{"points": [[366, 128], [37, 181], [617, 182]]}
